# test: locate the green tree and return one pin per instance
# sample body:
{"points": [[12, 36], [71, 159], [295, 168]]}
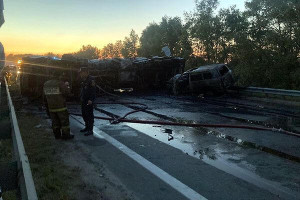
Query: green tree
{"points": [[130, 45], [151, 41], [107, 51], [112, 50], [117, 50], [175, 36], [170, 32], [261, 43], [51, 54], [88, 52], [205, 29], [273, 59]]}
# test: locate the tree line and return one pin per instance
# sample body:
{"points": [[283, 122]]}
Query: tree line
{"points": [[169, 32]]}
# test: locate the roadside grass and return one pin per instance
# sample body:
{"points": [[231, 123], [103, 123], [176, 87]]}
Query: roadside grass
{"points": [[11, 195], [6, 151], [53, 180], [6, 155]]}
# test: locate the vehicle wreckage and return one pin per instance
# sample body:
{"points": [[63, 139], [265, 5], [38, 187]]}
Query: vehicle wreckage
{"points": [[109, 74], [216, 78]]}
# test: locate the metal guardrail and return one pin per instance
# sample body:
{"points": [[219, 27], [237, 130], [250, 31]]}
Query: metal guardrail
{"points": [[290, 93], [25, 180]]}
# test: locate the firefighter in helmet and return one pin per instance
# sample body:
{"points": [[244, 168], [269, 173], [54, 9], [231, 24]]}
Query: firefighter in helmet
{"points": [[55, 92]]}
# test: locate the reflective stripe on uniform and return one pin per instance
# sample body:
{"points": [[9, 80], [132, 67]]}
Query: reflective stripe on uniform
{"points": [[58, 110], [52, 91]]}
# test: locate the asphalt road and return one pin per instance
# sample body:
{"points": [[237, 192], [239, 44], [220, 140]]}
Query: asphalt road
{"points": [[165, 162]]}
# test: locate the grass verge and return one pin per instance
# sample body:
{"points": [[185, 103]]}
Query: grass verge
{"points": [[53, 180]]}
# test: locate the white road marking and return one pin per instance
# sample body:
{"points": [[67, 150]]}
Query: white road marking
{"points": [[161, 174]]}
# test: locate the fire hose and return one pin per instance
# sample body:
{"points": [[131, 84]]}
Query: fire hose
{"points": [[115, 120]]}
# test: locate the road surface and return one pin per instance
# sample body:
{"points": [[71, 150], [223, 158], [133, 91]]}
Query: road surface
{"points": [[169, 162]]}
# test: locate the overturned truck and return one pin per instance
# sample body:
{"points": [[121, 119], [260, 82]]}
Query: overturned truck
{"points": [[110, 74]]}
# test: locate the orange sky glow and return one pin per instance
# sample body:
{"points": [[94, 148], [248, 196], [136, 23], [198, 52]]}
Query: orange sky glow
{"points": [[63, 26]]}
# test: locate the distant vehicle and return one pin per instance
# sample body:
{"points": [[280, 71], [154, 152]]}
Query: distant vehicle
{"points": [[11, 74], [216, 78]]}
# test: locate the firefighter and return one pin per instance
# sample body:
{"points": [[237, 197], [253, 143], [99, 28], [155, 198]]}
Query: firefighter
{"points": [[56, 91], [87, 97]]}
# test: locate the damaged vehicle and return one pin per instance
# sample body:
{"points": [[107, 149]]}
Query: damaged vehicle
{"points": [[216, 78], [138, 73], [110, 74]]}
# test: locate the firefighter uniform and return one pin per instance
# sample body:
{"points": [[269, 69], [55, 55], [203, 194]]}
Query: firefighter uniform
{"points": [[55, 92], [88, 93]]}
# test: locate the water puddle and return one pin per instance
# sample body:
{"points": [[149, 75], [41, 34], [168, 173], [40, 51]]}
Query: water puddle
{"points": [[247, 143], [186, 141]]}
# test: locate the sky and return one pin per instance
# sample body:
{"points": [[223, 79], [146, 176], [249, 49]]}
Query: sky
{"points": [[63, 26]]}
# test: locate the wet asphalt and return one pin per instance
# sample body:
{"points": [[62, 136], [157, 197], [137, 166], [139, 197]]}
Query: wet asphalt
{"points": [[210, 164]]}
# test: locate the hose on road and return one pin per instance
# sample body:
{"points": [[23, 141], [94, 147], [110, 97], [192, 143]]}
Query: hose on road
{"points": [[115, 120]]}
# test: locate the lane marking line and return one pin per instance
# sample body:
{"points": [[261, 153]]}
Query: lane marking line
{"points": [[161, 174]]}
